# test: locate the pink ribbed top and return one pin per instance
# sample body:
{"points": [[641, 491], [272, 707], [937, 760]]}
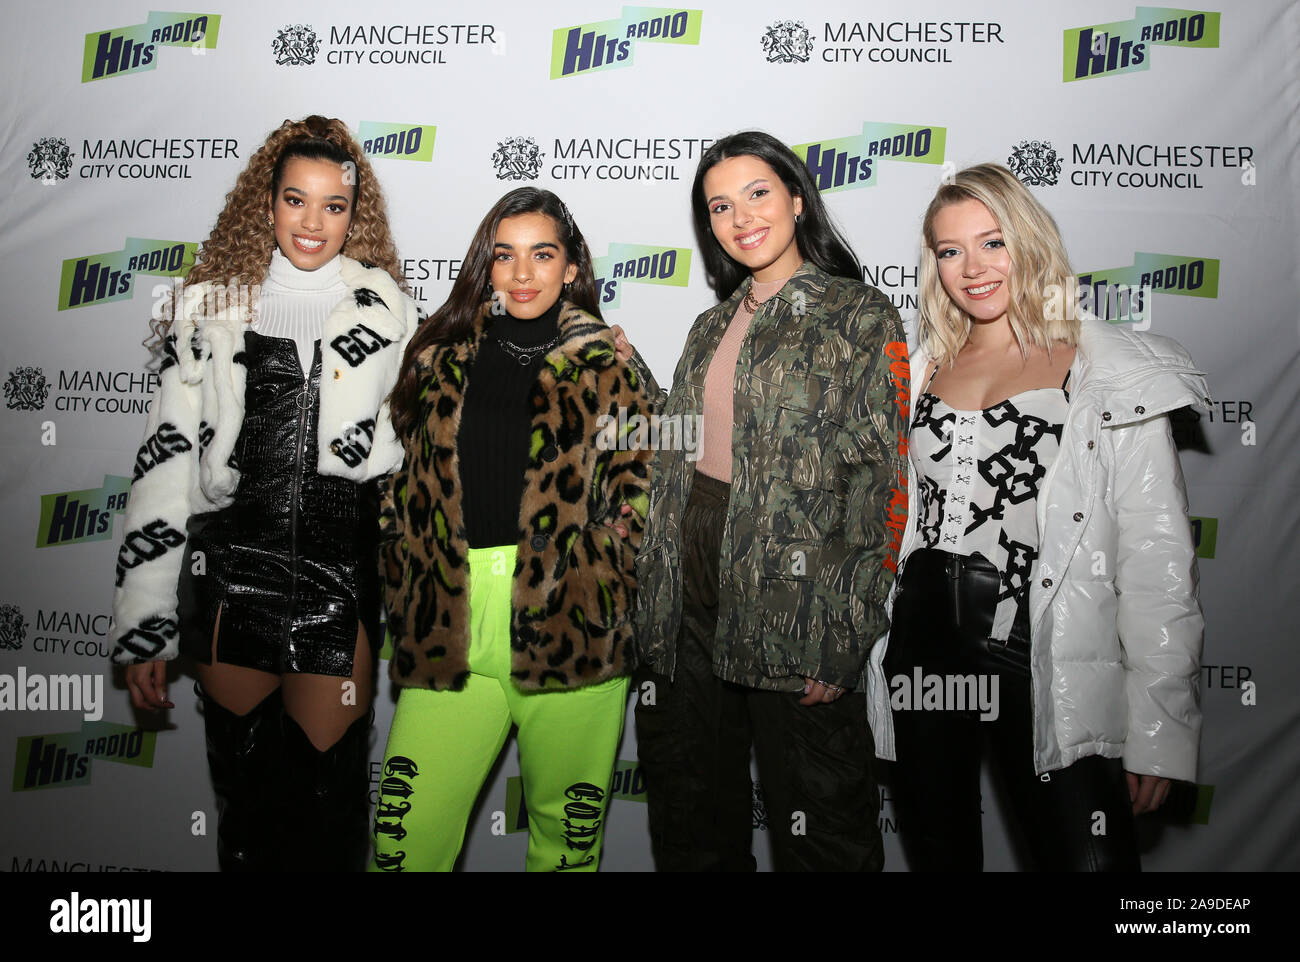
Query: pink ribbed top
{"points": [[719, 389]]}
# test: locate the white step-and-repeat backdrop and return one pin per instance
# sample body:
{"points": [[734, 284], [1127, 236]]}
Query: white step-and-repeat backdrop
{"points": [[1164, 141]]}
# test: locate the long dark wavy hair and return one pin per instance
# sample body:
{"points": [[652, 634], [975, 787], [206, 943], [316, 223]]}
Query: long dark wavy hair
{"points": [[820, 241], [472, 290]]}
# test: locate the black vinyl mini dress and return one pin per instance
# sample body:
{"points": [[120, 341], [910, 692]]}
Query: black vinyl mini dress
{"points": [[292, 564]]}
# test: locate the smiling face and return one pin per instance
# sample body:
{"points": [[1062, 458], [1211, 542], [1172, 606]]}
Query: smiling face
{"points": [[312, 209], [529, 266], [974, 265], [752, 215]]}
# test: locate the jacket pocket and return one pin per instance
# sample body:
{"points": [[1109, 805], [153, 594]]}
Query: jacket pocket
{"points": [[787, 586], [809, 414]]}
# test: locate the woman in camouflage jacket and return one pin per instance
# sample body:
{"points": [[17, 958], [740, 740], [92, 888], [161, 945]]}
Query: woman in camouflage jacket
{"points": [[762, 579]]}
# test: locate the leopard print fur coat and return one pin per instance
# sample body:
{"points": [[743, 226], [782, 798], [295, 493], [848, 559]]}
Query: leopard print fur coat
{"points": [[574, 580]]}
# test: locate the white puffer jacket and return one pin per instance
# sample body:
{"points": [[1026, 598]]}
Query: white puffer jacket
{"points": [[1115, 622]]}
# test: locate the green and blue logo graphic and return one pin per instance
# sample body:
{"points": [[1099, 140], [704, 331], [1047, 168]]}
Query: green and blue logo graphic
{"points": [[125, 50], [57, 761], [607, 44], [639, 264], [848, 163], [401, 141], [1107, 49], [1104, 291], [100, 278], [72, 517], [1205, 536]]}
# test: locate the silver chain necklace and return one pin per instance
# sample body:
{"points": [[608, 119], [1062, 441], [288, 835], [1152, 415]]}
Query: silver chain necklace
{"points": [[526, 355]]}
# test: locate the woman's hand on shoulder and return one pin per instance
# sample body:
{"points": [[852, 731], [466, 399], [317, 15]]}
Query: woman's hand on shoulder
{"points": [[619, 526], [1146, 792], [623, 349], [147, 684]]}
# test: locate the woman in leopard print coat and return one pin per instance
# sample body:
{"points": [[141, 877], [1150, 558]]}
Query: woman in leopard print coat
{"points": [[509, 538]]}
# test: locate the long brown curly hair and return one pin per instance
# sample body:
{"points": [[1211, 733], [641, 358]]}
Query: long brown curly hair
{"points": [[238, 251]]}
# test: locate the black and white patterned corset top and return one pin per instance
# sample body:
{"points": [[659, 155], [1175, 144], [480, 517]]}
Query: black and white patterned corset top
{"points": [[978, 473]]}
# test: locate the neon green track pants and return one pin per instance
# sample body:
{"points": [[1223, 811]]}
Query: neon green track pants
{"points": [[443, 744]]}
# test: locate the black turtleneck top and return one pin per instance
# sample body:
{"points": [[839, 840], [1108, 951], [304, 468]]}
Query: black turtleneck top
{"points": [[494, 422]]}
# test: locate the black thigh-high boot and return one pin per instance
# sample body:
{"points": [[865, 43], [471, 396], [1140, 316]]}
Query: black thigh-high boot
{"points": [[243, 756], [327, 799]]}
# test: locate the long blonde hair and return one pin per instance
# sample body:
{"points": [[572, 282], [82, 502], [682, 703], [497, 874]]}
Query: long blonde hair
{"points": [[238, 251], [1039, 267]]}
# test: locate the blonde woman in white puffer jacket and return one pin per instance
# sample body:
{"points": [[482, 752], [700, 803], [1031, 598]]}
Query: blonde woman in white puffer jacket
{"points": [[1046, 599]]}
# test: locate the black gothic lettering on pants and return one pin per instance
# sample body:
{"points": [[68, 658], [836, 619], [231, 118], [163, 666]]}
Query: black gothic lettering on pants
{"points": [[387, 809], [581, 822], [395, 786], [391, 863], [401, 765], [393, 830]]}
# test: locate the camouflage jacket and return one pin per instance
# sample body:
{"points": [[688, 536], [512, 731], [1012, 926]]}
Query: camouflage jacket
{"points": [[818, 492]]}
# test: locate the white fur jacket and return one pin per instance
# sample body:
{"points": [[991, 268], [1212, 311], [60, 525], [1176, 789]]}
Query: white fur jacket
{"points": [[182, 467]]}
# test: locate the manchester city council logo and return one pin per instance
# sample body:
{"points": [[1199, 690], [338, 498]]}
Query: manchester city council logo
{"points": [[296, 45], [517, 158], [787, 41], [13, 628], [50, 160], [26, 389], [1035, 162]]}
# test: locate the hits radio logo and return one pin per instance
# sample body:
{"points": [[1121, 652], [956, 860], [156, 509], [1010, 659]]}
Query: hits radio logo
{"points": [[398, 141], [72, 517], [100, 278], [848, 163], [1105, 291], [58, 761], [1205, 536], [668, 266], [1107, 49], [601, 46], [126, 50]]}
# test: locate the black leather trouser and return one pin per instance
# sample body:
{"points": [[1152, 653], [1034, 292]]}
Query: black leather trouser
{"points": [[815, 762], [1076, 819]]}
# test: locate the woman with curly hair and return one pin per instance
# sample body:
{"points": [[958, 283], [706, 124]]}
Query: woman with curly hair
{"points": [[510, 533], [253, 519]]}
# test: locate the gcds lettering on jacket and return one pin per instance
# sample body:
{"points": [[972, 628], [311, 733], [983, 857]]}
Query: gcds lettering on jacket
{"points": [[145, 544], [158, 447], [150, 637], [357, 343], [353, 446]]}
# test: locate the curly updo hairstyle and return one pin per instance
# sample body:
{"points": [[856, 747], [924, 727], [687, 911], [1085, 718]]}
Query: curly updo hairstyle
{"points": [[238, 251]]}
